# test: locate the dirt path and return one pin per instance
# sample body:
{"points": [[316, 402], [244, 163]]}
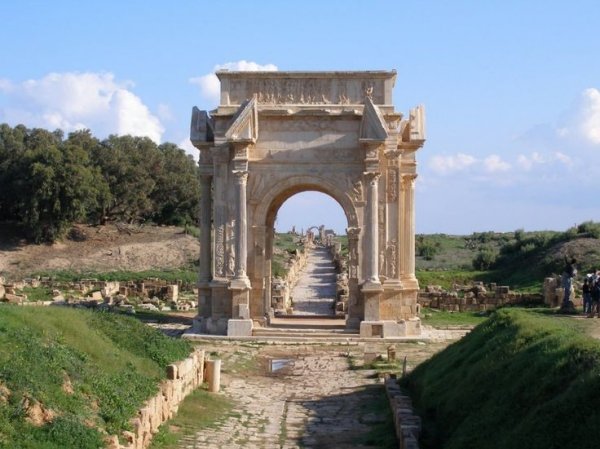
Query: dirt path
{"points": [[315, 401], [101, 248], [314, 294]]}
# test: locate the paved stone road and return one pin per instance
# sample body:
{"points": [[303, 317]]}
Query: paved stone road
{"points": [[316, 402], [314, 294]]}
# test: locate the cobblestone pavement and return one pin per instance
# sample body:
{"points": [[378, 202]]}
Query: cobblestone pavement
{"points": [[314, 294], [315, 401]]}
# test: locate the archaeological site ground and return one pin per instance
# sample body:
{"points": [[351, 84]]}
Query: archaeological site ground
{"points": [[133, 327]]}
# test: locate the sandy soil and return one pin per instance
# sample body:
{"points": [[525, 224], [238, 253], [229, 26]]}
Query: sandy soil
{"points": [[104, 248]]}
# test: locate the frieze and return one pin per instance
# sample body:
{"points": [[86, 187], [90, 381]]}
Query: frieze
{"points": [[305, 90]]}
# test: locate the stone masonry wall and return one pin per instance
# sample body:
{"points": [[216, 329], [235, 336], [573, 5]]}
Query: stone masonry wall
{"points": [[282, 288], [474, 298], [182, 378]]}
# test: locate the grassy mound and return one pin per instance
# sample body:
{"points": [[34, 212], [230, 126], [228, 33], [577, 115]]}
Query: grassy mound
{"points": [[519, 380], [66, 373]]}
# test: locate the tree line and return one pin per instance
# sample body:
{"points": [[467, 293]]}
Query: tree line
{"points": [[48, 182]]}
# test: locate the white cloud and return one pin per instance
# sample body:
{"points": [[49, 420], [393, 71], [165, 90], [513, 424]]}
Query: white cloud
{"points": [[72, 101], [5, 85], [590, 115], [527, 162], [561, 157], [581, 123], [494, 164], [187, 146], [450, 164], [209, 84]]}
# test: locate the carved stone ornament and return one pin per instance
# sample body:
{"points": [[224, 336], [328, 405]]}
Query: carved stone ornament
{"points": [[393, 264], [392, 185], [231, 261], [220, 250], [357, 191]]}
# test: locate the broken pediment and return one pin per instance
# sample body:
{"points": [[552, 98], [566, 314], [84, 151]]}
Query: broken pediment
{"points": [[201, 128], [245, 123], [373, 126]]}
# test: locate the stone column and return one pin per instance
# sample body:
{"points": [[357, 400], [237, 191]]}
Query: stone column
{"points": [[409, 225], [205, 268], [372, 228], [241, 227]]}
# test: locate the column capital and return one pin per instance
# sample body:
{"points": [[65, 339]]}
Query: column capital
{"points": [[241, 176], [392, 154], [353, 233], [371, 177]]}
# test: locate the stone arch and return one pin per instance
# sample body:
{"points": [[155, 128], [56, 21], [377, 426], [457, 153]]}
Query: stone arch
{"points": [[275, 134], [272, 198]]}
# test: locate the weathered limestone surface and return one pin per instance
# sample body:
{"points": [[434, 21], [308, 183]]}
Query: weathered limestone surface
{"points": [[182, 378], [275, 134]]}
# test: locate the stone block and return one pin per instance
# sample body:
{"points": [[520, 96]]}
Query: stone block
{"points": [[239, 328]]}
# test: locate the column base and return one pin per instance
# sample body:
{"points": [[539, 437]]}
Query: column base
{"points": [[393, 284], [239, 328], [371, 286], [390, 329], [240, 284], [211, 326]]}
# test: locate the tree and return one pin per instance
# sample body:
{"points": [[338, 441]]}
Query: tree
{"points": [[177, 191], [129, 166], [56, 185]]}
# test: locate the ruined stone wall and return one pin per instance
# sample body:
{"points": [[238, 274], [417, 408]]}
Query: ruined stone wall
{"points": [[182, 378], [281, 288], [475, 298]]}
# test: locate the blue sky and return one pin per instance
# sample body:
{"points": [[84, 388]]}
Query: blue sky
{"points": [[511, 89]]}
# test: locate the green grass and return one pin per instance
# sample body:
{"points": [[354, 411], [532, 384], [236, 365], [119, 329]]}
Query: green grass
{"points": [[442, 318], [521, 379], [382, 434], [288, 244], [37, 293], [113, 362], [200, 410], [446, 278], [189, 275]]}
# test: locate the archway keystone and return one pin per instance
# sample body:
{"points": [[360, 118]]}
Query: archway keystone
{"points": [[275, 134]]}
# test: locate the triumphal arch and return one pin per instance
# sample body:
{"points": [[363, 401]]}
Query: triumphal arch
{"points": [[275, 134]]}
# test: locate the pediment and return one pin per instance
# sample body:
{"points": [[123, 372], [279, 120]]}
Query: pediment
{"points": [[245, 123], [373, 126]]}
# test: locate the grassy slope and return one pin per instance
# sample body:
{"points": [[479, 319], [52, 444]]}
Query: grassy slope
{"points": [[527, 257], [519, 380], [113, 363], [287, 244]]}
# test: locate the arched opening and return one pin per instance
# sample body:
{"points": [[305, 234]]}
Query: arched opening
{"points": [[310, 202], [307, 265]]}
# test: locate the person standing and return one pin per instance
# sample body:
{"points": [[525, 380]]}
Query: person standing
{"points": [[569, 273], [586, 291]]}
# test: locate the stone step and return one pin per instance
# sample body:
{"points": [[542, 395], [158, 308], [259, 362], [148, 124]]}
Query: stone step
{"points": [[308, 333]]}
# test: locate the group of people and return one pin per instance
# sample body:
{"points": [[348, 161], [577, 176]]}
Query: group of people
{"points": [[590, 289], [591, 293]]}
